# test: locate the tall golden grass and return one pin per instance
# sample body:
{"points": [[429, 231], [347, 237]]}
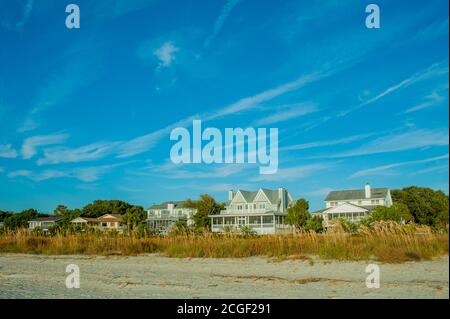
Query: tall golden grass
{"points": [[385, 242]]}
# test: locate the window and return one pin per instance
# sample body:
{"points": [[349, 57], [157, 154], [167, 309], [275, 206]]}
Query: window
{"points": [[267, 219], [241, 220], [229, 220], [254, 220]]}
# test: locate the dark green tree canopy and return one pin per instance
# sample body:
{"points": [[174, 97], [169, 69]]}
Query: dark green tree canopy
{"points": [[315, 223], [205, 206], [101, 207], [427, 206], [398, 212], [298, 214], [134, 216], [21, 219]]}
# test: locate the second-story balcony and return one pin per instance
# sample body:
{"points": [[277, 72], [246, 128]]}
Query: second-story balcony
{"points": [[245, 211]]}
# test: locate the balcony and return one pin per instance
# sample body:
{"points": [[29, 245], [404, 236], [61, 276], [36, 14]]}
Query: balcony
{"points": [[245, 211]]}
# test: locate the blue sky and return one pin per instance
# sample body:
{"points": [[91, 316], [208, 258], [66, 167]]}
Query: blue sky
{"points": [[86, 113]]}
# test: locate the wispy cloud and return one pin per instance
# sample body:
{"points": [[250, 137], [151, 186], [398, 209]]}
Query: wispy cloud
{"points": [[293, 173], [89, 152], [287, 112], [7, 151], [47, 174], [145, 142], [93, 173], [165, 54], [433, 169], [201, 171], [72, 75], [434, 98], [436, 69], [218, 25], [399, 142], [321, 192], [18, 25], [383, 170], [251, 102], [30, 145], [332, 142], [85, 174]]}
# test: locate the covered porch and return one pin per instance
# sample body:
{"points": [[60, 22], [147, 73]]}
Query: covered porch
{"points": [[262, 224]]}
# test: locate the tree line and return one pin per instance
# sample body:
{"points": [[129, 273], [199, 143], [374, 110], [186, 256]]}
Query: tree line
{"points": [[411, 204]]}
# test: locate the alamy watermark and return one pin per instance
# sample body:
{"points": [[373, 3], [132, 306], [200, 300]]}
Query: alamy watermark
{"points": [[373, 279], [73, 277], [73, 19], [230, 147], [373, 19]]}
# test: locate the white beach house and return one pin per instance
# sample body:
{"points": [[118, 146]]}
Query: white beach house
{"points": [[44, 223], [263, 211], [162, 217], [354, 204]]}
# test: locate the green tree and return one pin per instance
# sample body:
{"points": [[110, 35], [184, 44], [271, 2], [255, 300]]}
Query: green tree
{"points": [[315, 223], [297, 215], [21, 219], [101, 207], [134, 216], [205, 206], [4, 215], [61, 210], [398, 212], [427, 206]]}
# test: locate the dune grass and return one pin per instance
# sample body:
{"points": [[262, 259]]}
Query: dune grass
{"points": [[388, 243]]}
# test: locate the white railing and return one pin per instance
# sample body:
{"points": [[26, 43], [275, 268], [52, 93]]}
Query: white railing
{"points": [[241, 225], [245, 211]]}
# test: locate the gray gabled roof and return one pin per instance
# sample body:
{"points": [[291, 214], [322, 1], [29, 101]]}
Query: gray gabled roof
{"points": [[272, 195], [177, 204], [353, 194], [46, 219], [248, 196]]}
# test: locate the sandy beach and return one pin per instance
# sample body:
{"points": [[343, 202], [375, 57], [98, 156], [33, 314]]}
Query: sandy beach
{"points": [[153, 276]]}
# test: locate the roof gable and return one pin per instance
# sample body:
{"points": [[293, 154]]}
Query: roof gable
{"points": [[261, 197], [355, 194], [272, 195], [110, 217], [346, 208]]}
